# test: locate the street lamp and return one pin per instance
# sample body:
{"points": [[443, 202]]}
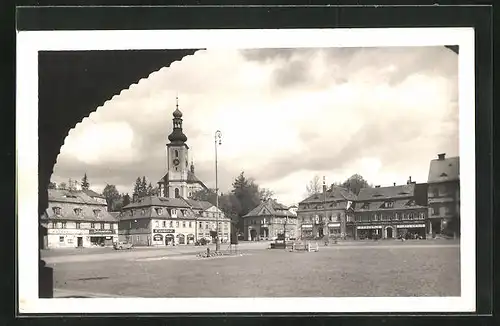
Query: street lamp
{"points": [[218, 141]]}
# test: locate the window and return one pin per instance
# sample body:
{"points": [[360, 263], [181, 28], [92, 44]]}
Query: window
{"points": [[171, 224], [97, 212], [375, 217], [177, 195], [365, 206], [173, 212], [389, 204], [421, 215], [200, 225], [56, 210], [206, 225], [176, 153], [396, 216], [164, 224], [159, 211], [143, 212], [61, 239], [77, 211], [189, 194], [157, 224], [63, 225], [50, 225], [77, 225], [189, 223], [183, 224], [92, 225], [435, 211], [177, 224], [102, 226], [131, 212], [436, 192]]}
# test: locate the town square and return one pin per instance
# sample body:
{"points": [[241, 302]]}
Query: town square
{"points": [[279, 180]]}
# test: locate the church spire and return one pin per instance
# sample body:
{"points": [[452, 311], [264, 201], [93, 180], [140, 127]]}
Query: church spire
{"points": [[177, 136]]}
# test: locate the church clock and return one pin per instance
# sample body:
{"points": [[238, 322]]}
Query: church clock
{"points": [[176, 162]]}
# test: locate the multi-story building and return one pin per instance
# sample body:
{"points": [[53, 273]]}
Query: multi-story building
{"points": [[390, 212], [326, 213], [444, 195], [180, 179], [153, 221], [207, 216], [74, 219], [160, 221], [270, 220]]}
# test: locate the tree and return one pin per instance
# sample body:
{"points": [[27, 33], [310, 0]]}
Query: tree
{"points": [[62, 186], [314, 186], [126, 199], [246, 191], [137, 186], [354, 183], [144, 187], [52, 185], [266, 194], [85, 182], [205, 195], [111, 194]]}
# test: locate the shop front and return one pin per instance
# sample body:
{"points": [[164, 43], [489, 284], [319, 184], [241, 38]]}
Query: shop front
{"points": [[411, 231], [102, 237], [67, 238], [306, 231], [162, 237], [364, 232], [333, 229], [190, 238]]}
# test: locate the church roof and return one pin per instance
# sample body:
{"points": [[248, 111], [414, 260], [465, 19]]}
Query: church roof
{"points": [[191, 178]]}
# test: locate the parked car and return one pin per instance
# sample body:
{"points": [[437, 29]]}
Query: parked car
{"points": [[122, 245]]}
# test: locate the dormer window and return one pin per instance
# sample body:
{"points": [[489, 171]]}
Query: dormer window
{"points": [[78, 211], [143, 212], [56, 210], [131, 212], [411, 203], [389, 204], [159, 211], [97, 212], [443, 175], [365, 206]]}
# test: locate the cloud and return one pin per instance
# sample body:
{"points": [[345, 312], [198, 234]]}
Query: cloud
{"points": [[285, 115]]}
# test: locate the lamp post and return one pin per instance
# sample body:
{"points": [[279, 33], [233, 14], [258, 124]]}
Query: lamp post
{"points": [[218, 141]]}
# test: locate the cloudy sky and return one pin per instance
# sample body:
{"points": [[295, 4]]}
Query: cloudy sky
{"points": [[286, 115]]}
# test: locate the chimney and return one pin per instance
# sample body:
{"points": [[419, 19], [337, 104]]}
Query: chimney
{"points": [[409, 180], [441, 156], [394, 184]]}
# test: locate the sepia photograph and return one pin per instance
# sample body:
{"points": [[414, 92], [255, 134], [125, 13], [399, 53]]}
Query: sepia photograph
{"points": [[280, 170]]}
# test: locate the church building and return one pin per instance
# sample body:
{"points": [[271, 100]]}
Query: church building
{"points": [[180, 180]]}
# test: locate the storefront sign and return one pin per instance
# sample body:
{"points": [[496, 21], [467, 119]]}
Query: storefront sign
{"points": [[100, 231], [68, 231], [163, 231], [158, 237], [333, 225], [410, 226], [307, 226], [109, 238], [369, 227]]}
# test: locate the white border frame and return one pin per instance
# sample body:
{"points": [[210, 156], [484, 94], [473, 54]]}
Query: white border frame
{"points": [[28, 45]]}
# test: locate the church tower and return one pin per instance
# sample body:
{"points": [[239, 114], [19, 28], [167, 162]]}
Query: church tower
{"points": [[177, 159]]}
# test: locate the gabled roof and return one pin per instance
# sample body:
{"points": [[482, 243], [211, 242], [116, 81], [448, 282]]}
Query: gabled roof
{"points": [[158, 201], [199, 204], [67, 196], [391, 192], [447, 169], [270, 208], [377, 205], [335, 193], [92, 193]]}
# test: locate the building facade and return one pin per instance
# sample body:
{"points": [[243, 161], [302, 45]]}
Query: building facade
{"points": [[326, 214], [160, 221], [180, 179], [268, 221], [444, 195], [74, 219], [390, 212]]}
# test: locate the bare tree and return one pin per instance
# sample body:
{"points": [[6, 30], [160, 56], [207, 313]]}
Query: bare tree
{"points": [[314, 186]]}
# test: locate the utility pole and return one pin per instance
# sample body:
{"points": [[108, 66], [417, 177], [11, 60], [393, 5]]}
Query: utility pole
{"points": [[218, 141]]}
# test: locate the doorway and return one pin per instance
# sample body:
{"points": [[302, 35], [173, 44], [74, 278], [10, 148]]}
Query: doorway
{"points": [[79, 242], [389, 233], [320, 233], [253, 234]]}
